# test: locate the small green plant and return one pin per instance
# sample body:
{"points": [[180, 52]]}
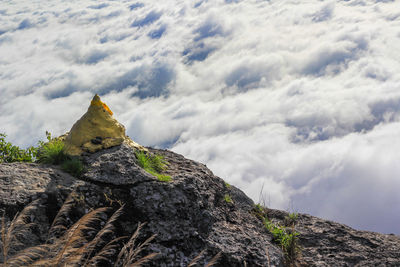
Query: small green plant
{"points": [[12, 153], [158, 163], [287, 238], [51, 152], [153, 164], [227, 185], [162, 177], [73, 166], [291, 219], [228, 198], [143, 160], [259, 207]]}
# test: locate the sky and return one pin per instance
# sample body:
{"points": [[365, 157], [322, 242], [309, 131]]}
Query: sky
{"points": [[297, 103]]}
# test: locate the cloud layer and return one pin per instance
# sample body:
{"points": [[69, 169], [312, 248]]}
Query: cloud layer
{"points": [[299, 99]]}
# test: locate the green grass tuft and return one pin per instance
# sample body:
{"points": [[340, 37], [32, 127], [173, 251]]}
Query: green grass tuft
{"points": [[143, 160], [259, 207], [73, 166], [163, 178], [51, 152], [153, 164], [228, 198], [286, 237], [158, 163], [291, 219]]}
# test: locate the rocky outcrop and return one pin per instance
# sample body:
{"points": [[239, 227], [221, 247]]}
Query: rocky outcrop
{"points": [[327, 243], [97, 129], [189, 214]]}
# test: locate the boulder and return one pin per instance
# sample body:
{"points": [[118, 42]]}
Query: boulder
{"points": [[97, 129]]}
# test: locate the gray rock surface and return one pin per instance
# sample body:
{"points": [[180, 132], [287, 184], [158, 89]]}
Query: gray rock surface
{"points": [[188, 214], [115, 166], [21, 183], [327, 243]]}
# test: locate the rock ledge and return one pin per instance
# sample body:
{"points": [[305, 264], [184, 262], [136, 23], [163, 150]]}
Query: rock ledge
{"points": [[188, 215]]}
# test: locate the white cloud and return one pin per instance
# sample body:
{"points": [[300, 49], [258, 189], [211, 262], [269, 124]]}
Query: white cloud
{"points": [[301, 97]]}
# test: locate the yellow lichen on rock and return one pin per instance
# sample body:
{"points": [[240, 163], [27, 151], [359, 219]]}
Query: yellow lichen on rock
{"points": [[95, 130], [97, 102]]}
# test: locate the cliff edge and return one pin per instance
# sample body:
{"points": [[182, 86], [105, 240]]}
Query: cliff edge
{"points": [[193, 217], [189, 214]]}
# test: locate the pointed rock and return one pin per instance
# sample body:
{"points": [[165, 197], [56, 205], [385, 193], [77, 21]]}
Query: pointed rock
{"points": [[95, 130]]}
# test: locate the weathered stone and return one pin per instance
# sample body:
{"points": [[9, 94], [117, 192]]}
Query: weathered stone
{"points": [[97, 140], [116, 166], [20, 182], [96, 124], [327, 243], [188, 214]]}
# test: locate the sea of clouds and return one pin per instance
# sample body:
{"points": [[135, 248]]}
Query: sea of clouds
{"points": [[297, 103]]}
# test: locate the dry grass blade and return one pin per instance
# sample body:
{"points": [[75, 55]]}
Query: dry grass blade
{"points": [[77, 244], [59, 221], [98, 239], [214, 260], [19, 226], [269, 259], [130, 244], [75, 236], [3, 237], [143, 260], [42, 263], [107, 251], [197, 258], [28, 256], [139, 248], [130, 251]]}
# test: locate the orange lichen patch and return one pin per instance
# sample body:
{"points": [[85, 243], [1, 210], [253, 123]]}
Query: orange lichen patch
{"points": [[97, 102], [107, 108]]}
